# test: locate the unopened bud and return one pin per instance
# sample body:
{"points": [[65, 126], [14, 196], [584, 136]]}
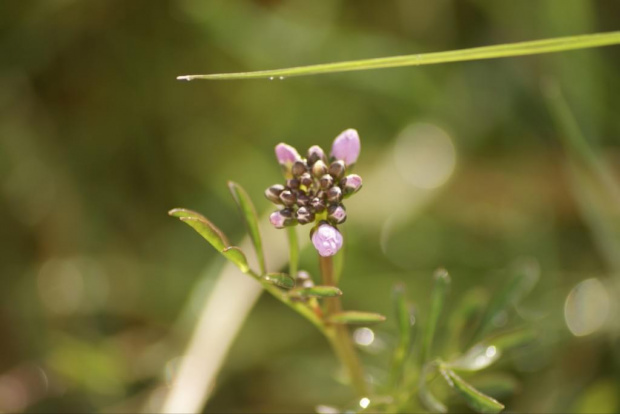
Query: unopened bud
{"points": [[282, 218], [319, 169], [315, 153], [326, 181], [336, 169], [306, 180], [273, 193], [292, 183], [351, 184], [317, 204], [303, 200], [287, 198], [304, 216], [299, 167], [346, 146], [334, 195], [336, 214]]}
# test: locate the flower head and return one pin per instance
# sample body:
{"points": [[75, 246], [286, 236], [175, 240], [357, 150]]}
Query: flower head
{"points": [[315, 189], [327, 240], [347, 147]]}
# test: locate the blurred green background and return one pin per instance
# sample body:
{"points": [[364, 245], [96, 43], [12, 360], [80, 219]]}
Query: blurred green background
{"points": [[98, 141]]}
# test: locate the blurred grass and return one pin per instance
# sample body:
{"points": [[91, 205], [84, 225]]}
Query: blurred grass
{"points": [[98, 141]]}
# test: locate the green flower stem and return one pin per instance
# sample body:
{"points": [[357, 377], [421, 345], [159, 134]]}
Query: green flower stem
{"points": [[338, 335], [534, 47], [293, 251]]}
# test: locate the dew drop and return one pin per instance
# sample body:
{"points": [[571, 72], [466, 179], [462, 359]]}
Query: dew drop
{"points": [[271, 78], [281, 77]]}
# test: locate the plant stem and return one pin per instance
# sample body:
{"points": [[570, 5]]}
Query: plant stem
{"points": [[338, 335], [294, 251]]}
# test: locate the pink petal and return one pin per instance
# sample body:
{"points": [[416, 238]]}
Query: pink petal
{"points": [[286, 154], [347, 147]]}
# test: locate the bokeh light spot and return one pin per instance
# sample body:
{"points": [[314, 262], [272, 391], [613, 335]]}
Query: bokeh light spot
{"points": [[424, 156], [586, 307]]}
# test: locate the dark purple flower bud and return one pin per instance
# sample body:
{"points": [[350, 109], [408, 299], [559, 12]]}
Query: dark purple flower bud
{"points": [[336, 169], [273, 193], [347, 147], [287, 198], [317, 204], [319, 169], [334, 195], [315, 153], [306, 180], [304, 216], [303, 200], [326, 181], [327, 240], [336, 213], [299, 167], [351, 184], [292, 183]]}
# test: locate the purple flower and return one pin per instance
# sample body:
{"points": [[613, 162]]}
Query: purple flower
{"points": [[347, 146], [277, 219], [327, 240], [286, 154]]}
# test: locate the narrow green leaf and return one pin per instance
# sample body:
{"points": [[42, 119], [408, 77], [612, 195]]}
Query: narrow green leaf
{"points": [[405, 320], [535, 47], [464, 318], [524, 276], [251, 220], [485, 353], [427, 399], [404, 316], [496, 384], [208, 231], [438, 298], [235, 255], [475, 399], [317, 291], [280, 279], [355, 318]]}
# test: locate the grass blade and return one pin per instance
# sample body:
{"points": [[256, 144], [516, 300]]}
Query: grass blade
{"points": [[534, 47], [251, 220]]}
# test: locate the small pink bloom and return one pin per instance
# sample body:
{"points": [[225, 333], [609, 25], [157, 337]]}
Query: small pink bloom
{"points": [[286, 154], [327, 240], [277, 220], [347, 147]]}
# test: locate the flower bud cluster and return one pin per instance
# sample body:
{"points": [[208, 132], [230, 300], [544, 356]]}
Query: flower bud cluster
{"points": [[315, 188]]}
